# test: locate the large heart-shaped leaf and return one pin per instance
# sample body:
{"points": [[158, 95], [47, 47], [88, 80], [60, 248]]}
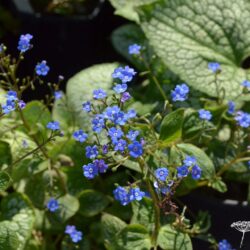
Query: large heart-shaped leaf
{"points": [[187, 34], [80, 88]]}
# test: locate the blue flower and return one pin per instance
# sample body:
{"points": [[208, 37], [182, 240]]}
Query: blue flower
{"points": [[53, 126], [161, 174], [134, 49], [121, 195], [8, 107], [25, 144], [189, 161], [125, 97], [90, 171], [86, 106], [11, 95], [120, 88], [24, 43], [21, 104], [131, 114], [74, 234], [99, 94], [58, 94], [136, 194], [196, 172], [110, 112], [243, 119], [91, 152], [182, 171], [52, 205], [125, 74], [98, 123], [42, 68], [115, 134], [105, 149], [1, 48], [80, 136], [205, 114], [120, 145], [135, 149], [214, 67], [120, 118], [180, 93], [224, 245], [101, 165], [132, 134], [246, 84], [162, 188], [231, 107]]}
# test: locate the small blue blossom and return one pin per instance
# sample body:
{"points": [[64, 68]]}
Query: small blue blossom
{"points": [[91, 152], [1, 48], [136, 194], [120, 118], [132, 134], [25, 144], [58, 94], [101, 165], [110, 112], [90, 171], [52, 205], [231, 107], [98, 123], [53, 126], [246, 84], [135, 149], [189, 161], [120, 145], [243, 119], [80, 136], [74, 234], [115, 133], [134, 49], [11, 95], [214, 67], [205, 114], [99, 94], [24, 43], [121, 195], [21, 104], [180, 93], [125, 74], [131, 114], [125, 97], [196, 172], [224, 245], [182, 171], [8, 107], [86, 106], [42, 68], [105, 149], [70, 229], [161, 174], [120, 88]]}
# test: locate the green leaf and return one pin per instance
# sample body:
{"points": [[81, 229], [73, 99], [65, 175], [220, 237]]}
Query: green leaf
{"points": [[112, 226], [170, 239], [203, 160], [80, 88], [18, 221], [5, 153], [187, 34], [171, 126], [126, 8], [4, 180], [218, 184], [92, 203], [143, 213]]}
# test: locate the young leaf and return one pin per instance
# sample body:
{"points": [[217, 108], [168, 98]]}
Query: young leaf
{"points": [[4, 180]]}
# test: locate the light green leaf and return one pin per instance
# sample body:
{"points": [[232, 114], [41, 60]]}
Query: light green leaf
{"points": [[92, 202], [19, 219], [126, 8], [203, 161], [170, 239], [187, 34], [80, 88], [218, 184], [5, 153], [171, 126], [4, 180]]}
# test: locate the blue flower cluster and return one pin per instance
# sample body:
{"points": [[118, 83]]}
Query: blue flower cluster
{"points": [[180, 93], [52, 205], [54, 126], [127, 195], [42, 68], [134, 49], [125, 74], [205, 114], [24, 43], [225, 245], [243, 119], [74, 234], [92, 169], [12, 102], [189, 166], [80, 136]]}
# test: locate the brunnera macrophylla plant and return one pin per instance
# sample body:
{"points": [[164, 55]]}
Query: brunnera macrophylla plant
{"points": [[47, 202]]}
